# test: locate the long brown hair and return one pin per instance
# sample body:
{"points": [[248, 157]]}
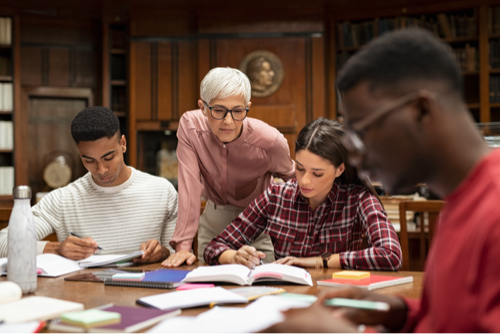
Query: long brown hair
{"points": [[323, 137]]}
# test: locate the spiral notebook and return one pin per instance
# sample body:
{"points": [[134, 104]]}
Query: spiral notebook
{"points": [[158, 279]]}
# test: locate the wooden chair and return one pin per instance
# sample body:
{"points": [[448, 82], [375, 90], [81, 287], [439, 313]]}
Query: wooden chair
{"points": [[432, 208]]}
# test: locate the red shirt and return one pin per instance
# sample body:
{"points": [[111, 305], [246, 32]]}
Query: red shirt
{"points": [[335, 226], [462, 282], [232, 173]]}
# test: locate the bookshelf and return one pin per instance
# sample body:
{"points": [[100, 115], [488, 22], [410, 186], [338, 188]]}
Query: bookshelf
{"points": [[7, 174], [461, 29], [115, 74]]}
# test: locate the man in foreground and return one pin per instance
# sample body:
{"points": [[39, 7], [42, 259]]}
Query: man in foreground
{"points": [[403, 103], [116, 207]]}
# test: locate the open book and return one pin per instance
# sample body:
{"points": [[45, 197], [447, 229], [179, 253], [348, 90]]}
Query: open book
{"points": [[109, 260], [239, 274], [49, 265]]}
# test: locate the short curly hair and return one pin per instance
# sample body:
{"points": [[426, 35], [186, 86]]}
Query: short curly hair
{"points": [[94, 123]]}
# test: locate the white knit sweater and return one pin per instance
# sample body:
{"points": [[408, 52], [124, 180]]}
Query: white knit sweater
{"points": [[119, 218]]}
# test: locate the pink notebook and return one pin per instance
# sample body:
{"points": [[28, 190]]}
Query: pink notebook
{"points": [[371, 283], [133, 319]]}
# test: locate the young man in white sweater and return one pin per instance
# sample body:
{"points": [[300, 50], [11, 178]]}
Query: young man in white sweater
{"points": [[117, 208]]}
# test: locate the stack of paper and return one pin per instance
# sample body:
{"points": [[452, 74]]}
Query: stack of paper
{"points": [[259, 315], [109, 260], [50, 265]]}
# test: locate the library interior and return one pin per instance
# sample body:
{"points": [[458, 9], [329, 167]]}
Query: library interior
{"points": [[154, 214]]}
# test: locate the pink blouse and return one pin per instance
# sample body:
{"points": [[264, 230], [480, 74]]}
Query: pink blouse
{"points": [[227, 174]]}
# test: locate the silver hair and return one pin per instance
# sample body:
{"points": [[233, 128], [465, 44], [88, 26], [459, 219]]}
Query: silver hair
{"points": [[222, 82]]}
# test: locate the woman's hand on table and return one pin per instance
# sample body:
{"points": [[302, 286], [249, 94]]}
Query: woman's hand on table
{"points": [[178, 258], [246, 255], [394, 319]]}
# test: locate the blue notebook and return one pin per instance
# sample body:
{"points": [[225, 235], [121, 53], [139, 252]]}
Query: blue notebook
{"points": [[158, 279]]}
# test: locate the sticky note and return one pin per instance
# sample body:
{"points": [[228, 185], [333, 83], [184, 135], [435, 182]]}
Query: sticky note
{"points": [[351, 274], [129, 276], [189, 286], [91, 318]]}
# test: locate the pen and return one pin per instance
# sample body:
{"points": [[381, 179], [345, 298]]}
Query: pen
{"points": [[79, 236], [355, 303], [261, 262]]}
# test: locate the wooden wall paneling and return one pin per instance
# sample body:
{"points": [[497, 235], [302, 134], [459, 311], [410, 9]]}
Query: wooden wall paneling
{"points": [[20, 131], [318, 78], [84, 65], [484, 66], [58, 67], [105, 58], [290, 138], [31, 71], [164, 73], [189, 86], [331, 68], [140, 79], [203, 58]]}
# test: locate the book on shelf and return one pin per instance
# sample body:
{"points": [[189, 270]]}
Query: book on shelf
{"points": [[371, 283], [6, 135], [5, 30], [6, 180], [239, 274], [494, 88], [442, 25], [133, 319], [494, 20]]}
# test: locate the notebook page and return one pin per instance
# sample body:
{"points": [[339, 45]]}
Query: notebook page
{"points": [[54, 265], [235, 273], [192, 298]]}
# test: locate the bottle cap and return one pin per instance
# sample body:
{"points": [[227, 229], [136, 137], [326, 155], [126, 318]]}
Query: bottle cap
{"points": [[22, 192]]}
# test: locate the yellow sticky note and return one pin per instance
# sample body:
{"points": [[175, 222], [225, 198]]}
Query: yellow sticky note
{"points": [[351, 274]]}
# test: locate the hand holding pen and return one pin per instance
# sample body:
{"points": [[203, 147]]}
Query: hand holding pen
{"points": [[76, 247], [249, 256]]}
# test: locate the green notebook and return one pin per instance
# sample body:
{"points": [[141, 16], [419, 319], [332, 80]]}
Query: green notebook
{"points": [[91, 318]]}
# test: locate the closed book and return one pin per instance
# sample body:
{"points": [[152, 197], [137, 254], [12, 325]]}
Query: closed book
{"points": [[158, 279], [371, 283], [133, 319]]}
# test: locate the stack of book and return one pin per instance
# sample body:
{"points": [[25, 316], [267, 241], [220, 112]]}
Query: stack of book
{"points": [[6, 97], [5, 30], [6, 180], [6, 135]]}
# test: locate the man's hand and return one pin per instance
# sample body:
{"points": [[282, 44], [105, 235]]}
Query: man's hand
{"points": [[314, 319], [394, 319], [153, 252], [179, 258], [306, 262], [73, 248]]}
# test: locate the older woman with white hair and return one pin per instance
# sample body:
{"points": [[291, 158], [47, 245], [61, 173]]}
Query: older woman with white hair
{"points": [[227, 158]]}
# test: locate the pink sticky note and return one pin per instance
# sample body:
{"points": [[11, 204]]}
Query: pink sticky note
{"points": [[39, 271], [189, 286]]}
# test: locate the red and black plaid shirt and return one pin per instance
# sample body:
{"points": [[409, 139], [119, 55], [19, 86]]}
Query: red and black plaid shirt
{"points": [[336, 226]]}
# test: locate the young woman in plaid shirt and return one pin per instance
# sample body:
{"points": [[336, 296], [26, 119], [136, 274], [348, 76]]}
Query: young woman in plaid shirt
{"points": [[317, 219]]}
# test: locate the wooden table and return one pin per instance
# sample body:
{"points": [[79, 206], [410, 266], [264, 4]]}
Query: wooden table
{"points": [[94, 294]]}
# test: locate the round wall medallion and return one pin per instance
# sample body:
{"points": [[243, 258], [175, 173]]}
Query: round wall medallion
{"points": [[57, 173], [265, 71]]}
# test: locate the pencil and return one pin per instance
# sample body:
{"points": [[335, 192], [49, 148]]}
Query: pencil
{"points": [[355, 303], [79, 236]]}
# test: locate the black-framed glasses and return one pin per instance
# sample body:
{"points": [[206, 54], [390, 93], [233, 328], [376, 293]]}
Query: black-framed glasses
{"points": [[355, 133], [220, 112]]}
